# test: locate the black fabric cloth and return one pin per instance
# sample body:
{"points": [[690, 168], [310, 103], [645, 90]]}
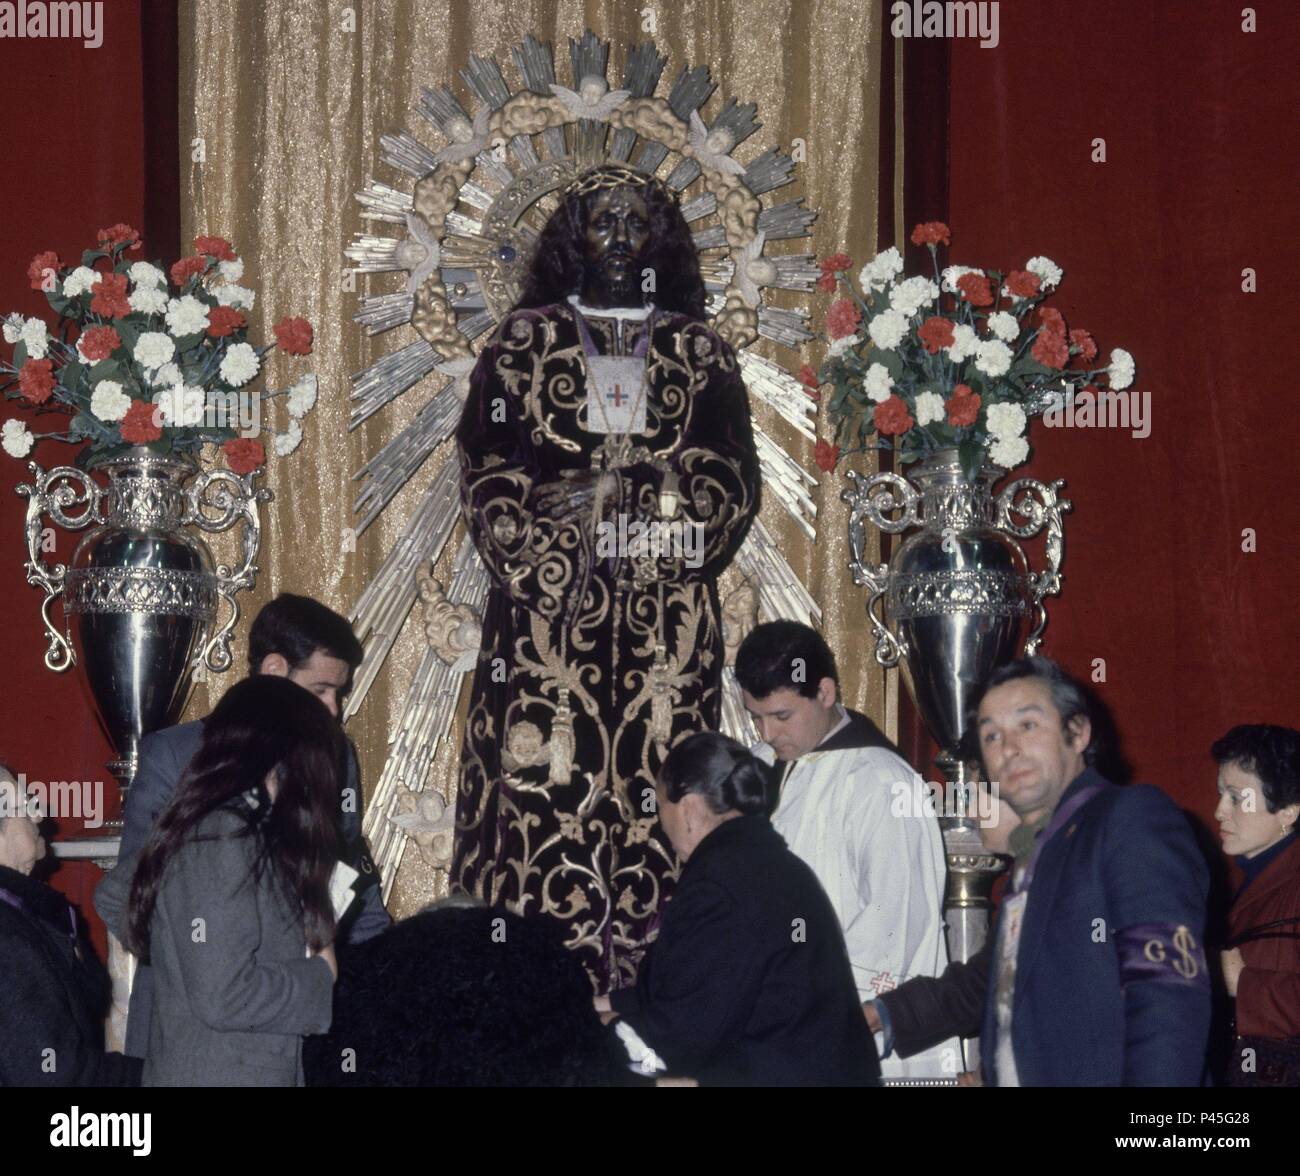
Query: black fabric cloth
{"points": [[927, 1010], [53, 994], [749, 981]]}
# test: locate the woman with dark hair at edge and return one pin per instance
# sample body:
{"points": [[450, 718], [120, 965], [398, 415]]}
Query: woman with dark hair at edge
{"points": [[1259, 803], [749, 981], [605, 407], [229, 899]]}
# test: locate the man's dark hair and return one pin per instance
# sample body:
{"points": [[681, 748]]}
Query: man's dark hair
{"points": [[1269, 752], [557, 269], [784, 655], [1069, 696], [296, 627]]}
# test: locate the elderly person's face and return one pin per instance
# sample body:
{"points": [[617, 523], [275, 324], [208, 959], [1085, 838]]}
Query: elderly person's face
{"points": [[21, 843]]}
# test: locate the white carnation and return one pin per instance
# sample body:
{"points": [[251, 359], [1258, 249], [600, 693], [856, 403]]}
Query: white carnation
{"points": [[238, 296], [186, 316], [881, 269], [153, 349], [145, 275], [13, 327], [929, 408], [232, 271], [1122, 369], [287, 442], [1004, 326], [964, 344], [842, 344], [910, 296], [887, 329], [148, 300], [79, 281], [953, 274], [1008, 452], [17, 438], [302, 397], [181, 406], [36, 338], [166, 376], [240, 365], [1006, 422], [993, 357], [1045, 270], [878, 383], [109, 402]]}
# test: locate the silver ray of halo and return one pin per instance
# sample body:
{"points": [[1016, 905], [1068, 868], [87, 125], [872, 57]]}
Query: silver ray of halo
{"points": [[501, 206]]}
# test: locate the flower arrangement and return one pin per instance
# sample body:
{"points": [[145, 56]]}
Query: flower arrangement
{"points": [[964, 359], [139, 361]]}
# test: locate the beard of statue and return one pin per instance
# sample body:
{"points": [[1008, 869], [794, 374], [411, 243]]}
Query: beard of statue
{"points": [[616, 246]]}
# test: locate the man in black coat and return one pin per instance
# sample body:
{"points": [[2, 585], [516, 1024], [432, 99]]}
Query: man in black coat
{"points": [[294, 637], [53, 992]]}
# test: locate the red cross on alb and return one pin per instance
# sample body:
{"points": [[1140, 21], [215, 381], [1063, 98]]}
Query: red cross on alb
{"points": [[616, 396]]}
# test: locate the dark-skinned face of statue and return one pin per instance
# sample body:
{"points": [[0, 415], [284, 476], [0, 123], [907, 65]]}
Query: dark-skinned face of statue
{"points": [[614, 249]]}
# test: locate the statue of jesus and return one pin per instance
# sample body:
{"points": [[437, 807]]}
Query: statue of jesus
{"points": [[604, 406]]}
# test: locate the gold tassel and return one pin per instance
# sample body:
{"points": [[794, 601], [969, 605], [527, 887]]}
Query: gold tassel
{"points": [[562, 741]]}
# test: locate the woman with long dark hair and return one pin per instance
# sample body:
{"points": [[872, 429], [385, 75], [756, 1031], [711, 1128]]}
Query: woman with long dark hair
{"points": [[749, 981], [229, 899]]}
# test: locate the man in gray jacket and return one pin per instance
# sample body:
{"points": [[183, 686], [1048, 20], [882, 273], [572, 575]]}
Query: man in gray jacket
{"points": [[294, 637]]}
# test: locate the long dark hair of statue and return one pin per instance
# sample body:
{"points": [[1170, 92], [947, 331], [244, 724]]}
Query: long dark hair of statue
{"points": [[260, 724], [557, 269]]}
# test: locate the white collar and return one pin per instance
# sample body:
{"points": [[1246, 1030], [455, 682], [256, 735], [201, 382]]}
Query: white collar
{"points": [[634, 314]]}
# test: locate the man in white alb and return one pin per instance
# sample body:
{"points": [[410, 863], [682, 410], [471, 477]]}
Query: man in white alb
{"points": [[848, 804]]}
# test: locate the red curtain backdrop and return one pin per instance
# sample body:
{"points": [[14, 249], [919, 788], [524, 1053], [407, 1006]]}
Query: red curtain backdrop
{"points": [[77, 163], [1198, 185]]}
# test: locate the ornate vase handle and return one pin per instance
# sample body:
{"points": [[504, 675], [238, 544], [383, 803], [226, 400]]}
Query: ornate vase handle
{"points": [[876, 498], [234, 500], [1036, 502], [63, 489]]}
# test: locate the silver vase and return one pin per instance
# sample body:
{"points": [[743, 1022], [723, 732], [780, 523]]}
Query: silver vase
{"points": [[140, 595], [958, 600]]}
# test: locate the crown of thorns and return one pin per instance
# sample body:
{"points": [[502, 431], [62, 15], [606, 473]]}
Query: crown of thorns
{"points": [[613, 175]]}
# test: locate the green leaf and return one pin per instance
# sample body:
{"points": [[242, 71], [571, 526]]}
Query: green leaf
{"points": [[971, 455]]}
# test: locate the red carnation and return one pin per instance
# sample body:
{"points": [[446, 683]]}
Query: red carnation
{"points": [[826, 455], [140, 425], [1050, 349], [243, 455], [225, 320], [963, 406], [1052, 320], [293, 335], [217, 247], [119, 234], [931, 233], [1085, 343], [826, 283], [836, 263], [186, 268], [892, 417], [936, 333], [99, 343], [110, 300], [808, 377], [976, 288], [40, 265], [842, 318], [1022, 283], [36, 380]]}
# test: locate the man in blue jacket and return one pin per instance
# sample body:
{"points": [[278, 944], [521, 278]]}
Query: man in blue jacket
{"points": [[1097, 972], [294, 637]]}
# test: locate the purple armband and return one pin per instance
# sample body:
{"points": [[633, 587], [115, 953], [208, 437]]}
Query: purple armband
{"points": [[1161, 951]]}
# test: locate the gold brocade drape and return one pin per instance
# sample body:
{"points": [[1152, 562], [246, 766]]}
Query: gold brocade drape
{"points": [[282, 106]]}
